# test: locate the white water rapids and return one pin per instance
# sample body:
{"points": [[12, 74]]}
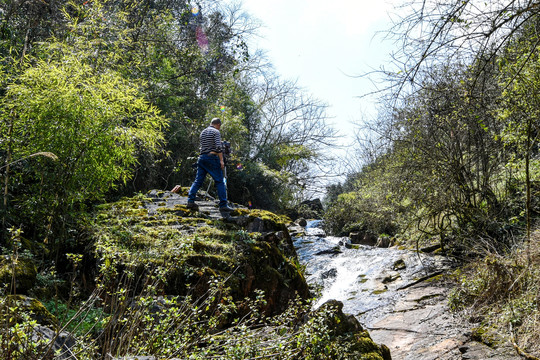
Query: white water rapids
{"points": [[373, 284], [365, 278]]}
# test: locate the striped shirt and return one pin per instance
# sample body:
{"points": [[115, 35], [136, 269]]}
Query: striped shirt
{"points": [[210, 140]]}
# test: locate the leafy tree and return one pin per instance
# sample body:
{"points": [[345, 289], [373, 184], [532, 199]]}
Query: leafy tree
{"points": [[443, 171], [520, 110], [94, 122], [451, 149], [289, 133]]}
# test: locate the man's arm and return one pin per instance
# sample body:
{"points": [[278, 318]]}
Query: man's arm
{"points": [[219, 148], [220, 154]]}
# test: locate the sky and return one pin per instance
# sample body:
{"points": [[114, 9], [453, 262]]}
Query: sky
{"points": [[323, 45]]}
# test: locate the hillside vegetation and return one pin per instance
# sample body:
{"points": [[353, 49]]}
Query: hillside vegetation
{"points": [[166, 282], [452, 159]]}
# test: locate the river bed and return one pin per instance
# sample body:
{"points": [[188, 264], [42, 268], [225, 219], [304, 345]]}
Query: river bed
{"points": [[366, 279], [383, 288]]}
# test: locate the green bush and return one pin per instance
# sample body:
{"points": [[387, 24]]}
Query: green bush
{"points": [[503, 293], [360, 211]]}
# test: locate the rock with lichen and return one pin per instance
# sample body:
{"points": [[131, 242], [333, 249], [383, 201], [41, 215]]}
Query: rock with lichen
{"points": [[251, 249], [13, 306]]}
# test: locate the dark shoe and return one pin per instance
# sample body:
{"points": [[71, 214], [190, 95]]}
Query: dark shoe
{"points": [[226, 215], [192, 206], [226, 208]]}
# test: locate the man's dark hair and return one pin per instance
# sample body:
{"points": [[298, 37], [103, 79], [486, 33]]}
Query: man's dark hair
{"points": [[215, 121]]}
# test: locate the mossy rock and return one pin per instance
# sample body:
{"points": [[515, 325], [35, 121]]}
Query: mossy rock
{"points": [[14, 306], [212, 261], [178, 210], [266, 268], [195, 250], [345, 328], [211, 232], [261, 220], [399, 265], [485, 335], [23, 271]]}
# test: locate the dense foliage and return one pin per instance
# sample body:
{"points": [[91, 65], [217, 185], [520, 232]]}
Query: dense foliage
{"points": [[105, 98], [453, 155], [108, 98]]}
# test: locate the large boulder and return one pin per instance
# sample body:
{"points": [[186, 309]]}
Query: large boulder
{"points": [[363, 238], [251, 249]]}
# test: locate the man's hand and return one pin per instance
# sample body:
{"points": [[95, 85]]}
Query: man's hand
{"points": [[176, 188], [222, 164]]}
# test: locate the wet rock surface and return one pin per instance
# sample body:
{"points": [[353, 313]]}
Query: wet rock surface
{"points": [[400, 297], [419, 326]]}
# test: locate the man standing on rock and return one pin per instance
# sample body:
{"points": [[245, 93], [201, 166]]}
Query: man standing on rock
{"points": [[210, 162]]}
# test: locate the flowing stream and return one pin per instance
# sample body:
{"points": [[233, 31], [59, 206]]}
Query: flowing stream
{"points": [[388, 291], [366, 279]]}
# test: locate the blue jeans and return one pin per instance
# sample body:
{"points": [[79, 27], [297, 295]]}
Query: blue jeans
{"points": [[209, 164]]}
